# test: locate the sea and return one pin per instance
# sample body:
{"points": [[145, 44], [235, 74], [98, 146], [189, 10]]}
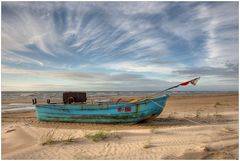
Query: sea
{"points": [[17, 95]]}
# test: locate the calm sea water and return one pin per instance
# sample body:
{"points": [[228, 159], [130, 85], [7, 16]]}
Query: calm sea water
{"points": [[13, 95]]}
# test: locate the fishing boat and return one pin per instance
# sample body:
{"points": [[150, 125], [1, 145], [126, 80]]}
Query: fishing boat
{"points": [[102, 112], [75, 108]]}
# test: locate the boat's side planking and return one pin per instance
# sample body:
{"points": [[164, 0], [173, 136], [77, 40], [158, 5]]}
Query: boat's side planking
{"points": [[114, 113]]}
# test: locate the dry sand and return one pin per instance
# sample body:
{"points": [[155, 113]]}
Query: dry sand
{"points": [[190, 127]]}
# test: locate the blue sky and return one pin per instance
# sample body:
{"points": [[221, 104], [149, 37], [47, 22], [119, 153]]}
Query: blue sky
{"points": [[119, 45]]}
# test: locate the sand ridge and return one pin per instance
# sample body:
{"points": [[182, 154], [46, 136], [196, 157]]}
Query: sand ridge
{"points": [[163, 143]]}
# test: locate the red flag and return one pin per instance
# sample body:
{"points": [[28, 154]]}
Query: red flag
{"points": [[185, 83], [193, 82]]}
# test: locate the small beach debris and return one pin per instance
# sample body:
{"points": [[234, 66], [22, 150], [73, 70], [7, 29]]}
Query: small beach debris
{"points": [[10, 130], [206, 148], [34, 101]]}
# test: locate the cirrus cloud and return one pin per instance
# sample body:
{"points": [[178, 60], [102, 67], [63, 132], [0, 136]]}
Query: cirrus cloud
{"points": [[120, 42]]}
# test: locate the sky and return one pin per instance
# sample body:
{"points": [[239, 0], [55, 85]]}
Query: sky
{"points": [[119, 46]]}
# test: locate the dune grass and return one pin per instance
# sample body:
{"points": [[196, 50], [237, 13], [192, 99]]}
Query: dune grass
{"points": [[101, 135], [217, 104], [198, 112], [228, 129], [154, 130], [50, 138], [98, 136], [147, 144]]}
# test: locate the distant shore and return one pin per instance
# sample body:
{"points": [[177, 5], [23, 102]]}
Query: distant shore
{"points": [[201, 126]]}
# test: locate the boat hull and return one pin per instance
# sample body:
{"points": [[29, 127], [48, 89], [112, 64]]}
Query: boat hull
{"points": [[114, 113]]}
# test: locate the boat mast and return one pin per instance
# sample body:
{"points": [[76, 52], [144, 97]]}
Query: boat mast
{"points": [[193, 82]]}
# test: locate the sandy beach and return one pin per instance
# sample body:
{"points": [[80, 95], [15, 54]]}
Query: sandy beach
{"points": [[201, 126]]}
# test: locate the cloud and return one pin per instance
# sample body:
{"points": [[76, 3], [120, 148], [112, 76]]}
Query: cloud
{"points": [[215, 23], [91, 81], [229, 71], [222, 33], [120, 41], [135, 30], [11, 57], [77, 75], [130, 66], [132, 8], [28, 31], [86, 29]]}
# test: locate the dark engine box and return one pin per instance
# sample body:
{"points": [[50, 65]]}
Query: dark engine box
{"points": [[71, 97]]}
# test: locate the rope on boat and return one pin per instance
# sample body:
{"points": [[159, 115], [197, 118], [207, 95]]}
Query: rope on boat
{"points": [[156, 103]]}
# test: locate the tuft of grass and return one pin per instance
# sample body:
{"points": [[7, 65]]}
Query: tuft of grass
{"points": [[115, 135], [228, 129], [198, 113], [49, 138], [98, 136], [70, 139], [205, 148], [217, 115], [147, 144], [171, 115], [154, 130], [217, 104]]}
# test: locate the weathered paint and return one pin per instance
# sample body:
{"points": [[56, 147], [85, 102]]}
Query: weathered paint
{"points": [[130, 113]]}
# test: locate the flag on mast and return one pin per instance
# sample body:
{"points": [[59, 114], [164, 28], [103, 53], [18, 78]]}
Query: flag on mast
{"points": [[193, 82]]}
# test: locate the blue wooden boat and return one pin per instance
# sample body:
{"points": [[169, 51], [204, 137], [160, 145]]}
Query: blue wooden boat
{"points": [[102, 113]]}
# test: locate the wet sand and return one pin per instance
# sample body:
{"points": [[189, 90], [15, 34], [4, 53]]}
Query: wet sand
{"points": [[190, 127]]}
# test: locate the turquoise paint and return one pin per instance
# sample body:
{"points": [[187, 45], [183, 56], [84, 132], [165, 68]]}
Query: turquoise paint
{"points": [[101, 113]]}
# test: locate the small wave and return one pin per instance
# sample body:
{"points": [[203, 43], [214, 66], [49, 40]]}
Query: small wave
{"points": [[19, 104], [17, 109], [27, 94], [16, 106]]}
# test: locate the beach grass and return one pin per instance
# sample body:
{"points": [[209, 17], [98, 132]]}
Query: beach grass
{"points": [[228, 129], [217, 115], [69, 139], [154, 130], [217, 104], [50, 138], [147, 143], [98, 136], [115, 135], [171, 115], [198, 112], [102, 135]]}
